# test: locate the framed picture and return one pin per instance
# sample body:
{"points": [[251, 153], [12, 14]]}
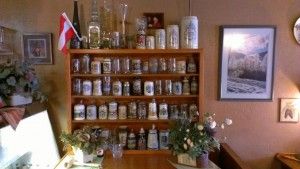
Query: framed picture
{"points": [[155, 20], [37, 48], [246, 62], [289, 110]]}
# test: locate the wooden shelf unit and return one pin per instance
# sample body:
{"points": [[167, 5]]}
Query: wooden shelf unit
{"points": [[143, 55]]}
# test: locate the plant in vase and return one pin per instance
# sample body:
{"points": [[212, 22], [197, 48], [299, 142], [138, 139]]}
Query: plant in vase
{"points": [[19, 84], [192, 141], [84, 143]]}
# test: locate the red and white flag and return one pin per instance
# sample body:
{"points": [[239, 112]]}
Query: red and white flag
{"points": [[66, 32]]}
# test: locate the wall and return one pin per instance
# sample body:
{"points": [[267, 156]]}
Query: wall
{"points": [[256, 134]]}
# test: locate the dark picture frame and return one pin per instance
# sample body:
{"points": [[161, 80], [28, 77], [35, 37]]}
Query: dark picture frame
{"points": [[247, 56], [37, 48], [154, 20]]}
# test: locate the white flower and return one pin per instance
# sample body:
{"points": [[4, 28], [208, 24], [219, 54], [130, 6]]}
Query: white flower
{"points": [[192, 144], [189, 141], [200, 127], [185, 146], [222, 126], [213, 124], [228, 121], [187, 130], [185, 138]]}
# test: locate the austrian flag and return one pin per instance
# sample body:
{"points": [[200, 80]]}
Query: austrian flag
{"points": [[66, 32]]}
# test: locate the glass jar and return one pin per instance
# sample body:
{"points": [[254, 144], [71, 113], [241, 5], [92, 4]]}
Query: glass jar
{"points": [[163, 111], [106, 86], [97, 87], [126, 89], [91, 112], [79, 111], [122, 111], [136, 66], [132, 110], [102, 112], [112, 110], [137, 87], [162, 65], [153, 65], [123, 135], [194, 86], [106, 66], [85, 64], [142, 110], [186, 86], [117, 88], [87, 88], [152, 110], [131, 142]]}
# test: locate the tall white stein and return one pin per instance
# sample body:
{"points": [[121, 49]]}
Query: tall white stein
{"points": [[172, 37], [160, 39], [189, 32]]}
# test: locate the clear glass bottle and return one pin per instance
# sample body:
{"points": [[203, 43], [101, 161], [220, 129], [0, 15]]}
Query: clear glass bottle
{"points": [[94, 27]]}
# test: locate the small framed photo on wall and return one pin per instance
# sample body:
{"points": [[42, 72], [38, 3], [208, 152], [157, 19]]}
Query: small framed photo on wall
{"points": [[37, 48], [289, 110], [155, 20], [246, 62]]}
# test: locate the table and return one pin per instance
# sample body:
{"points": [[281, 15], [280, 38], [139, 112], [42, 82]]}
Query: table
{"points": [[135, 161], [288, 160]]}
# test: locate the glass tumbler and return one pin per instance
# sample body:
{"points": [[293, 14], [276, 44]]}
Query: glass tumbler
{"points": [[117, 150]]}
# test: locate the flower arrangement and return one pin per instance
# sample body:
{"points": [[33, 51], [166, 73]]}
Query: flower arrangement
{"points": [[87, 139], [195, 138], [19, 78]]}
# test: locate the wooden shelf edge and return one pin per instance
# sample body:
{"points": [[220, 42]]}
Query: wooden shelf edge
{"points": [[134, 51], [136, 75], [122, 121], [136, 97]]}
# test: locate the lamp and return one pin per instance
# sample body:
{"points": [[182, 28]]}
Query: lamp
{"points": [[4, 48]]}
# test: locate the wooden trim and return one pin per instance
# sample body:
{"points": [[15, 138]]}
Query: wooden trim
{"points": [[133, 51]]}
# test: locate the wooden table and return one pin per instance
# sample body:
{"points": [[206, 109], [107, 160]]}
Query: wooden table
{"points": [[287, 161], [134, 161]]}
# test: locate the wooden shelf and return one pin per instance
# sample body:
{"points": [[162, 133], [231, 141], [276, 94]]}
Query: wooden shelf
{"points": [[133, 51], [136, 75], [127, 121], [135, 97]]}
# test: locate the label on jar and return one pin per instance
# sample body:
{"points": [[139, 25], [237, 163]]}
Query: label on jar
{"points": [[136, 66], [137, 87], [181, 66], [163, 111], [148, 88]]}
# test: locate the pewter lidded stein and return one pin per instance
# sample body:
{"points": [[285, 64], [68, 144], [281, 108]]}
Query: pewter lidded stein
{"points": [[152, 142]]}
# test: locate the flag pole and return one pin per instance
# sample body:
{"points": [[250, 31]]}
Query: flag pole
{"points": [[69, 22]]}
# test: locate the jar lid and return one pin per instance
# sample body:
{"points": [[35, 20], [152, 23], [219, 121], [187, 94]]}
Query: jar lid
{"points": [[190, 17]]}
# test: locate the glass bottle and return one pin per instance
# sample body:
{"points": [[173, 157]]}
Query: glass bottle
{"points": [[194, 86], [75, 42], [152, 110], [131, 143], [123, 135], [94, 27], [186, 86], [191, 67], [142, 140]]}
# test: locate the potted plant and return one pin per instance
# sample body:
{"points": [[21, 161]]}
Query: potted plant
{"points": [[84, 143], [192, 141], [19, 84]]}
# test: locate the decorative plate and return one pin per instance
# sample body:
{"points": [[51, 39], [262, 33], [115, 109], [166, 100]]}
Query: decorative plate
{"points": [[297, 30]]}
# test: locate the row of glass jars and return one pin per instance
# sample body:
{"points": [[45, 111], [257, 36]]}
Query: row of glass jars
{"points": [[105, 87], [141, 140], [133, 65], [135, 110]]}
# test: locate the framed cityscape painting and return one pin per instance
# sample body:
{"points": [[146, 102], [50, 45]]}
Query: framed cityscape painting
{"points": [[246, 62], [37, 48]]}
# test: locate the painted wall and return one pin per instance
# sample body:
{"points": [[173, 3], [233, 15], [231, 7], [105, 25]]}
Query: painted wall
{"points": [[256, 134]]}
